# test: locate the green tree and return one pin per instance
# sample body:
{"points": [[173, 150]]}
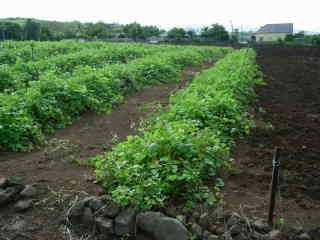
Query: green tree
{"points": [[215, 32], [46, 34], [134, 31], [95, 30], [10, 30], [300, 35], [151, 31], [316, 40], [177, 35], [32, 30], [191, 34], [289, 38]]}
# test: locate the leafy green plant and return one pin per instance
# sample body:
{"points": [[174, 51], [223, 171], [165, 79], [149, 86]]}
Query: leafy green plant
{"points": [[279, 222], [179, 151], [56, 99], [18, 130]]}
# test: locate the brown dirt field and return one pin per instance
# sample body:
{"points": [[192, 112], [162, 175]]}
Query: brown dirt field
{"points": [[54, 168], [291, 100]]}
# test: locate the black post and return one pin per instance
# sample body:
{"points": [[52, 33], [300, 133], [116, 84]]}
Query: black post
{"points": [[274, 185]]}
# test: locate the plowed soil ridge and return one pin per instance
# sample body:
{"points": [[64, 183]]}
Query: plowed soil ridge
{"points": [[291, 121]]}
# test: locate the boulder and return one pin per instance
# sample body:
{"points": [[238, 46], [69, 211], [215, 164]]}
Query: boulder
{"points": [[23, 205], [111, 210], [18, 225], [161, 227], [3, 182], [218, 213], [105, 225], [8, 195], [196, 230], [102, 206], [196, 215], [125, 222], [240, 236], [233, 219], [275, 235], [87, 216], [142, 236], [206, 234], [213, 237], [314, 233], [304, 236], [261, 227], [236, 229], [204, 220], [148, 221], [218, 230], [259, 236], [95, 204], [76, 212], [29, 191], [172, 211], [78, 209]]}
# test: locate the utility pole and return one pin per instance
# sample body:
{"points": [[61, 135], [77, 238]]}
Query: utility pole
{"points": [[241, 33], [232, 32], [231, 27]]}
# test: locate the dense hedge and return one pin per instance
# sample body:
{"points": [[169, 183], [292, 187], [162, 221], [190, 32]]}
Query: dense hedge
{"points": [[181, 149], [55, 101]]}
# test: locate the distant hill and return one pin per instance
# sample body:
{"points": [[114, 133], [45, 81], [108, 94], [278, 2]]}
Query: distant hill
{"points": [[54, 26], [36, 29]]}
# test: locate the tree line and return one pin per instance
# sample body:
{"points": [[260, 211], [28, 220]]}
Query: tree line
{"points": [[32, 29], [303, 38]]}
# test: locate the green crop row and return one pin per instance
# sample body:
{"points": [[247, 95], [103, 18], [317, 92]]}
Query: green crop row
{"points": [[19, 75], [180, 150], [13, 51], [53, 102]]}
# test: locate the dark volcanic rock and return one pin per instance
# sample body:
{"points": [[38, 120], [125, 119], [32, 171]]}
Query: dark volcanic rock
{"points": [[111, 210], [125, 222], [196, 230], [95, 204], [161, 227], [3, 182], [23, 205], [261, 227], [29, 191], [8, 195], [76, 212], [87, 216], [105, 225]]}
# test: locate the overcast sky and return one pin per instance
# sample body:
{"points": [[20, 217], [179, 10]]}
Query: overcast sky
{"points": [[168, 13]]}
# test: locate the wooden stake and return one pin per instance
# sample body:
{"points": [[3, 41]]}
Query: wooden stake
{"points": [[274, 184]]}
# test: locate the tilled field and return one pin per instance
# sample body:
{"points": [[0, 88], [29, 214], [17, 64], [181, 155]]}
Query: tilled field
{"points": [[287, 114], [288, 117]]}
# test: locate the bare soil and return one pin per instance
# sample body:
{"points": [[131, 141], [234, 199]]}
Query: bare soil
{"points": [[291, 121], [55, 168]]}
